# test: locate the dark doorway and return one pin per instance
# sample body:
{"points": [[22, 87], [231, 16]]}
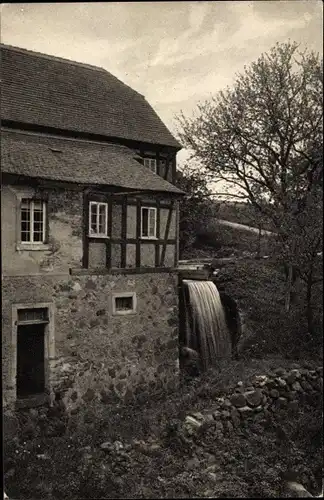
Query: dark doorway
{"points": [[30, 360]]}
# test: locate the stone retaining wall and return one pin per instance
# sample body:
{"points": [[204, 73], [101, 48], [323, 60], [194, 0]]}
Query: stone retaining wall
{"points": [[281, 390]]}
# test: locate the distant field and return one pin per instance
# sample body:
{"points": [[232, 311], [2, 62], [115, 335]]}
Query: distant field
{"points": [[241, 213]]}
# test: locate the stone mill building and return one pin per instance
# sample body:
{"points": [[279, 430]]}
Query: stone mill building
{"points": [[89, 235]]}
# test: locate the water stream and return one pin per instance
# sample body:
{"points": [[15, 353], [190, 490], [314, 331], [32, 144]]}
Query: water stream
{"points": [[206, 330]]}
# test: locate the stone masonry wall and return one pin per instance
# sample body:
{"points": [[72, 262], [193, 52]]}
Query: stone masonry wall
{"points": [[281, 390], [99, 356]]}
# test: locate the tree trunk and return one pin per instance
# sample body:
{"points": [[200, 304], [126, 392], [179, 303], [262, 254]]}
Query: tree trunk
{"points": [[309, 309], [259, 242], [288, 287]]}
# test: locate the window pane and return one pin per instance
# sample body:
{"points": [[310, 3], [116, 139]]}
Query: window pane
{"points": [[102, 219], [25, 226], [124, 303], [25, 204], [98, 218], [144, 222], [25, 236], [25, 220], [93, 218], [38, 205], [152, 222], [38, 237], [38, 215]]}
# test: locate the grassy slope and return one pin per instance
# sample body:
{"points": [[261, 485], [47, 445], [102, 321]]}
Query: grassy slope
{"points": [[246, 464]]}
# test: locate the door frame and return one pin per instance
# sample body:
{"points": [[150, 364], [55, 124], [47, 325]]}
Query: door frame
{"points": [[49, 342]]}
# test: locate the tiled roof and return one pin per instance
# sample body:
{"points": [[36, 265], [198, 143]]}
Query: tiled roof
{"points": [[52, 92], [77, 161]]}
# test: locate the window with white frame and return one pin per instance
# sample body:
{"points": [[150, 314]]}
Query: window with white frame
{"points": [[98, 219], [150, 163], [148, 222], [32, 221], [124, 303]]}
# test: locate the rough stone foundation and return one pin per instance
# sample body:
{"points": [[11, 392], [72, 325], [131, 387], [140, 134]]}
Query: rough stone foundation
{"points": [[100, 357], [265, 394]]}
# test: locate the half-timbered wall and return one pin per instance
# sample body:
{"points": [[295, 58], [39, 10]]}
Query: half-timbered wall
{"points": [[68, 244], [124, 247], [165, 162]]}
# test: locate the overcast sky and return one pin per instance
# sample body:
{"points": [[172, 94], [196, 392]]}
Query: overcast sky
{"points": [[175, 53]]}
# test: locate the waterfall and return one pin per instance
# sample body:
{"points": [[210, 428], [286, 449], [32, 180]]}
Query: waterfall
{"points": [[206, 330]]}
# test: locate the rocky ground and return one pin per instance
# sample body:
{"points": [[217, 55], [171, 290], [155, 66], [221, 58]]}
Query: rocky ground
{"points": [[180, 447]]}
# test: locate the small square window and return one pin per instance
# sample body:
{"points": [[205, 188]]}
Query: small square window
{"points": [[148, 222], [150, 163], [124, 303], [98, 219]]}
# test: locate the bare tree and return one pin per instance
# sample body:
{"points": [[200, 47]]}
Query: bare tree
{"points": [[263, 138]]}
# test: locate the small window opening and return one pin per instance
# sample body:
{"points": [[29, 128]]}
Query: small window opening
{"points": [[150, 163], [124, 303]]}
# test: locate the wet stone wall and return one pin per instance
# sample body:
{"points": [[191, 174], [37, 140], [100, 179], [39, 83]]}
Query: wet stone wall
{"points": [[99, 356]]}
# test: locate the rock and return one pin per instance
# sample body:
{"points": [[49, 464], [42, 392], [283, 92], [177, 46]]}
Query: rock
{"points": [[293, 405], [33, 413], [219, 426], [192, 422], [258, 409], [229, 426], [295, 490], [225, 415], [208, 418], [282, 382], [264, 399], [245, 411], [280, 371], [239, 384], [217, 415], [226, 405], [291, 378], [271, 384], [297, 373], [213, 476], [107, 446], [291, 395], [306, 385], [238, 400], [198, 416], [297, 387], [235, 414], [193, 463], [281, 402], [253, 398], [261, 378], [274, 393]]}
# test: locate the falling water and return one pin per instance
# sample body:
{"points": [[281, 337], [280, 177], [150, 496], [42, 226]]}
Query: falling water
{"points": [[206, 329]]}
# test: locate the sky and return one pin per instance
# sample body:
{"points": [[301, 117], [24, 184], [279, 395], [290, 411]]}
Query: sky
{"points": [[177, 54]]}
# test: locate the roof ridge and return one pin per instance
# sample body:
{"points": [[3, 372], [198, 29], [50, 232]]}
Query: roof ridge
{"points": [[67, 139], [65, 61], [51, 57]]}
